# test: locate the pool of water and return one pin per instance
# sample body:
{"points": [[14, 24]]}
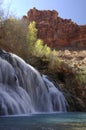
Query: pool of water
{"points": [[45, 121]]}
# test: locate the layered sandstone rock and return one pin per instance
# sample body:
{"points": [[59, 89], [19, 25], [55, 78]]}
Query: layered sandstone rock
{"points": [[78, 39], [55, 31]]}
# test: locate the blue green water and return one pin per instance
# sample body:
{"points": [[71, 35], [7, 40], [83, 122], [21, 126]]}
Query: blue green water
{"points": [[53, 121]]}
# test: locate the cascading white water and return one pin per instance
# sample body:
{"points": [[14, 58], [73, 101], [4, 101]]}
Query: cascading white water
{"points": [[58, 100], [13, 99], [23, 90]]}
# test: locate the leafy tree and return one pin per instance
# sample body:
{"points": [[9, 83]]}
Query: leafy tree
{"points": [[46, 50], [38, 48], [14, 36], [31, 36]]}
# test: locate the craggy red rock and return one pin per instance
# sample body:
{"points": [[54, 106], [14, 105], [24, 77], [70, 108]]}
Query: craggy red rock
{"points": [[55, 31]]}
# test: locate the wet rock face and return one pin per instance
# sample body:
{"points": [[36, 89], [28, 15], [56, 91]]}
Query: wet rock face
{"points": [[5, 55], [55, 31]]}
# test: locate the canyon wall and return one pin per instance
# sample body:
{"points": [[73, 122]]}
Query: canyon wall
{"points": [[56, 31]]}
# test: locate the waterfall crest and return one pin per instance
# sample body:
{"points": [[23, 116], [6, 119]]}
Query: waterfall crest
{"points": [[24, 90]]}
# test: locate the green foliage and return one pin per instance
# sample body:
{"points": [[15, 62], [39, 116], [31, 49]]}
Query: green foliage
{"points": [[55, 62], [13, 36], [31, 36], [38, 48], [81, 76], [32, 32], [46, 50]]}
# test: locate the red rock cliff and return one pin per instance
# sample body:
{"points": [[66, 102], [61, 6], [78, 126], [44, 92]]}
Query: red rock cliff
{"points": [[55, 31]]}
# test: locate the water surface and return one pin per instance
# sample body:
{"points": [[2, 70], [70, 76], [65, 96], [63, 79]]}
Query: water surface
{"points": [[53, 121]]}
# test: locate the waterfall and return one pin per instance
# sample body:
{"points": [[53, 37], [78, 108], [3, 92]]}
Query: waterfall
{"points": [[58, 100], [24, 90]]}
